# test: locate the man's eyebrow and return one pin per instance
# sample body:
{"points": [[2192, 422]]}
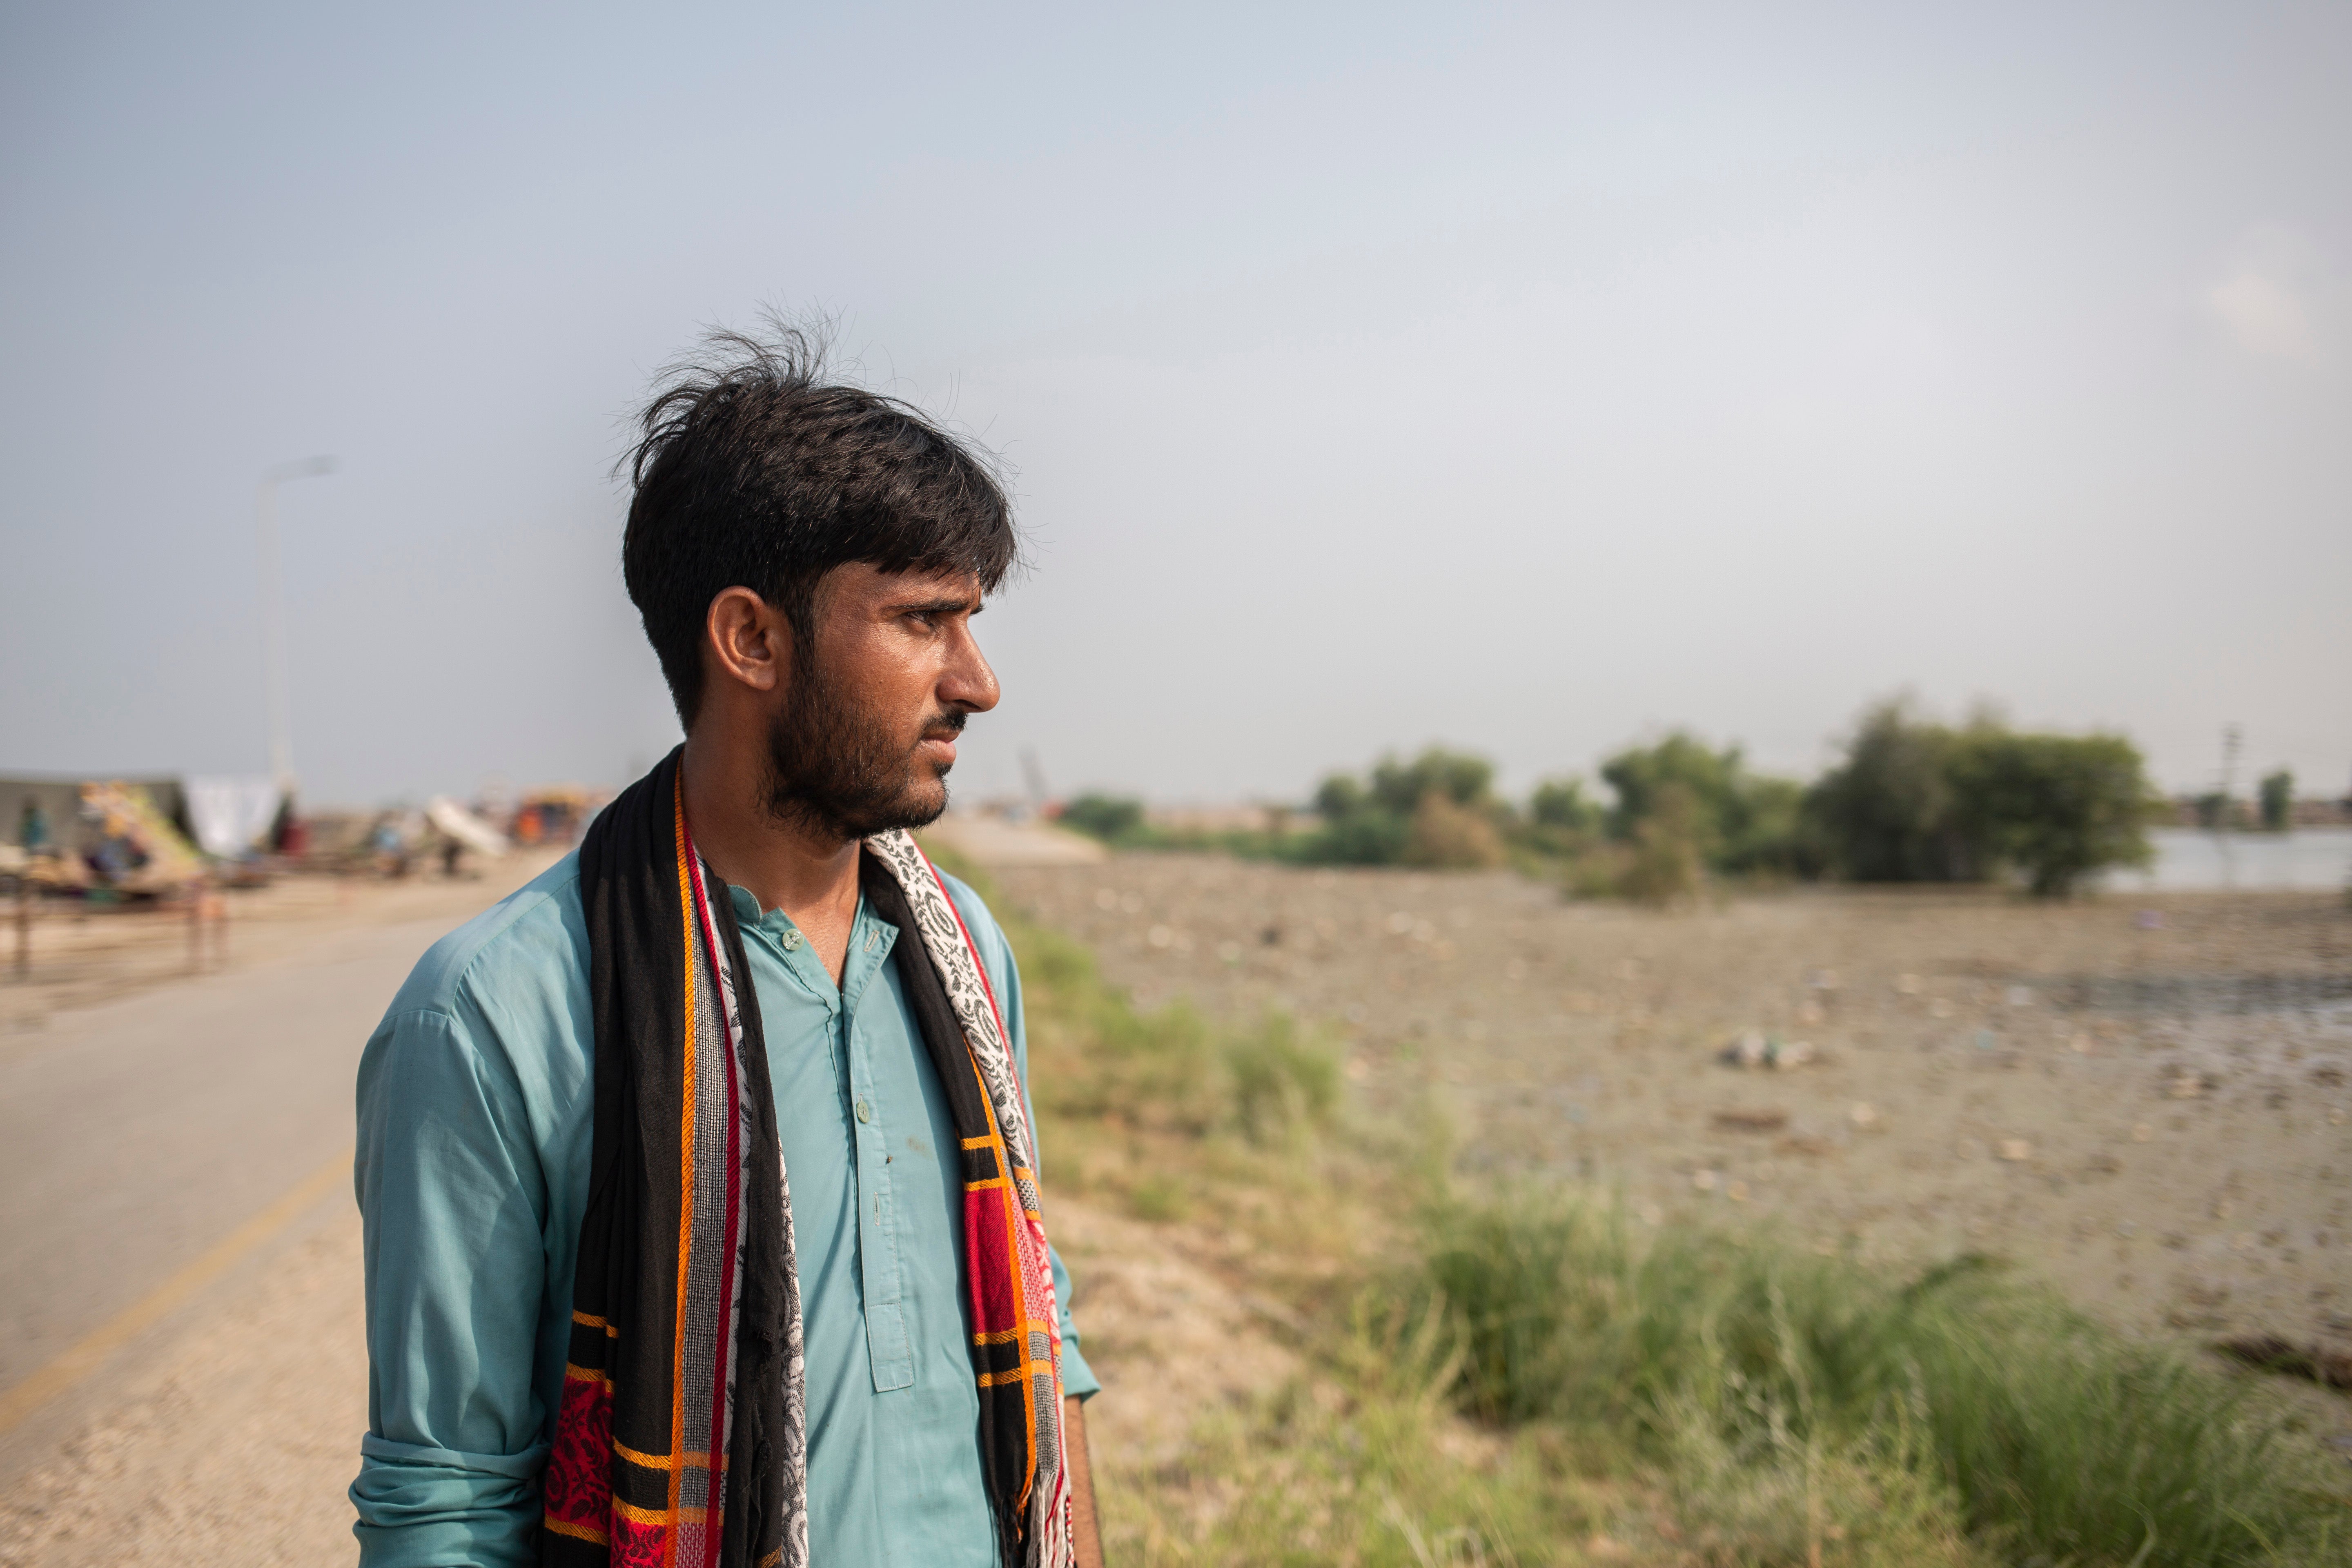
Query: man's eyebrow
{"points": [[945, 604]]}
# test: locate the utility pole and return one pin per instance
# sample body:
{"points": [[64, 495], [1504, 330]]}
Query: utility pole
{"points": [[273, 614]]}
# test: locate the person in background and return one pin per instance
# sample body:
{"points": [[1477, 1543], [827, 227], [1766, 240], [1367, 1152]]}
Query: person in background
{"points": [[33, 827], [699, 1176]]}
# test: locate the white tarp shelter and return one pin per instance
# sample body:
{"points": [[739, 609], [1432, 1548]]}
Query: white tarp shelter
{"points": [[229, 813]]}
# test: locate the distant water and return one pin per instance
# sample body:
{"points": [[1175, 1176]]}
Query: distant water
{"points": [[2189, 859]]}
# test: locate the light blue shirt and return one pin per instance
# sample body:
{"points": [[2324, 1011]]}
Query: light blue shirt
{"points": [[474, 1132]]}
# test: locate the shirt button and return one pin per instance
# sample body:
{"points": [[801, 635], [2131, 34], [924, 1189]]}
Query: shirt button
{"points": [[792, 941], [865, 1111]]}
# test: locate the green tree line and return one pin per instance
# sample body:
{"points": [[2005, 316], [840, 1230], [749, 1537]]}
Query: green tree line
{"points": [[1910, 800]]}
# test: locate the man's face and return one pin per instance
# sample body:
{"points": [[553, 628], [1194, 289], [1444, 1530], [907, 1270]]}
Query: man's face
{"points": [[864, 734]]}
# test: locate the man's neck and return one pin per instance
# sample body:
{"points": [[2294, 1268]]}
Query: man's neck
{"points": [[809, 875]]}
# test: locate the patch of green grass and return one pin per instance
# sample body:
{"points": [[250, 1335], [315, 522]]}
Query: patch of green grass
{"points": [[1281, 1080], [2053, 1436]]}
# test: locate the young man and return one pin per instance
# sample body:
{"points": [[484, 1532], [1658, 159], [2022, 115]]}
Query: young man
{"points": [[698, 1176]]}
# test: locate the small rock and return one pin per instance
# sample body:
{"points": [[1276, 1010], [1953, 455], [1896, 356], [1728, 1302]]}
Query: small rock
{"points": [[2150, 920], [2142, 1132], [1749, 1048], [2016, 1151], [1864, 1114], [1737, 1191], [1703, 1181], [1968, 1149], [2021, 997]]}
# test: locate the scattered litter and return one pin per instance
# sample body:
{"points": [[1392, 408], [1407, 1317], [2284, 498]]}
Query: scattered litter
{"points": [[2016, 1151], [1752, 1121], [1754, 1049]]}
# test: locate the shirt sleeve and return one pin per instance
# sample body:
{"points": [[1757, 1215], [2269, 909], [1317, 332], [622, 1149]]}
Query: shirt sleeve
{"points": [[453, 1200], [1005, 974]]}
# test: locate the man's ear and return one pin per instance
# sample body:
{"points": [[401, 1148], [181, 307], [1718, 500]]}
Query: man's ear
{"points": [[748, 640]]}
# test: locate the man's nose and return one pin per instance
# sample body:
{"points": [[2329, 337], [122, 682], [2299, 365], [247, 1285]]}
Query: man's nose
{"points": [[969, 683]]}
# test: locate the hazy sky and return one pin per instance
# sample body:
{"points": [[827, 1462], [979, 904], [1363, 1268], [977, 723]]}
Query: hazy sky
{"points": [[1531, 381]]}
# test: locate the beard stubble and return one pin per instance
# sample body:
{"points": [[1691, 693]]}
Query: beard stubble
{"points": [[842, 773]]}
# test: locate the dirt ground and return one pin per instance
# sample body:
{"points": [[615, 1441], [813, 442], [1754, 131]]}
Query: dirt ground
{"points": [[2143, 1101]]}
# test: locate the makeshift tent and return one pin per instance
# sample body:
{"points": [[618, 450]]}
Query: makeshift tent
{"points": [[138, 848], [57, 797], [464, 827], [230, 814]]}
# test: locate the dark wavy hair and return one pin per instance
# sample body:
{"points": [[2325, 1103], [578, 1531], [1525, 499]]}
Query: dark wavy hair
{"points": [[753, 469]]}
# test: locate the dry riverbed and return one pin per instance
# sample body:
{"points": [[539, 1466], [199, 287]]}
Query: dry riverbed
{"points": [[2142, 1100]]}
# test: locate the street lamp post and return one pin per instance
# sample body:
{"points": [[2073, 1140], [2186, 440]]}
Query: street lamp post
{"points": [[273, 612]]}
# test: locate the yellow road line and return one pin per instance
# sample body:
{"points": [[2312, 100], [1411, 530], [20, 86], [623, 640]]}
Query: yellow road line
{"points": [[84, 1356]]}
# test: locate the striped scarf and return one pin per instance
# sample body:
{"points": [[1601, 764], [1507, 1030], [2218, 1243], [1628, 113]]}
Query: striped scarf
{"points": [[683, 1434]]}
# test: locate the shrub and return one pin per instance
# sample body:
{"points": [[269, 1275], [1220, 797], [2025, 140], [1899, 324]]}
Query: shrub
{"points": [[1739, 821], [1112, 818], [1915, 801], [2278, 801], [2058, 807], [1887, 811], [1435, 810], [1444, 834]]}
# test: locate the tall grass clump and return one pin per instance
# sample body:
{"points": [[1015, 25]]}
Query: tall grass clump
{"points": [[2052, 1434], [1359, 1462], [1282, 1081]]}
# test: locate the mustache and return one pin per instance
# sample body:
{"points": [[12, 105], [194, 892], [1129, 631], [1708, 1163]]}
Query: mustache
{"points": [[948, 724]]}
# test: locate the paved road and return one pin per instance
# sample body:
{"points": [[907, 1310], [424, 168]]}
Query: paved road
{"points": [[143, 1136]]}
